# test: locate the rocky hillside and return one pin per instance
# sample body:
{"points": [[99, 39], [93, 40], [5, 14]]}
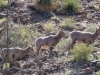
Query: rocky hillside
{"points": [[27, 22]]}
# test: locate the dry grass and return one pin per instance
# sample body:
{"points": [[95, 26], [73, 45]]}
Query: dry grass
{"points": [[49, 27], [3, 3]]}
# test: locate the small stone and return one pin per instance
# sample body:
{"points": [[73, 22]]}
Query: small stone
{"points": [[85, 66], [98, 64], [16, 64], [6, 72], [88, 70], [81, 73]]}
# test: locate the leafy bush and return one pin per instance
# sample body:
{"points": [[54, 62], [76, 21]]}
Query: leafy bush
{"points": [[71, 6], [90, 29], [3, 3], [81, 53], [68, 22]]}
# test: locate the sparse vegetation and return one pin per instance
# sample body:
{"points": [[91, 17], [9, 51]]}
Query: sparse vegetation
{"points": [[90, 29], [63, 44], [55, 19], [98, 73], [97, 8], [68, 23], [71, 6], [6, 66], [3, 20], [3, 3], [46, 5], [22, 37], [33, 19], [49, 27], [81, 53]]}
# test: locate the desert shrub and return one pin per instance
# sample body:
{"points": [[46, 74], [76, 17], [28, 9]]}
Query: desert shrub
{"points": [[6, 66], [97, 8], [81, 53], [49, 27], [46, 5], [63, 44], [3, 3], [3, 20], [22, 36], [71, 6], [90, 29], [98, 73], [55, 19], [68, 23]]}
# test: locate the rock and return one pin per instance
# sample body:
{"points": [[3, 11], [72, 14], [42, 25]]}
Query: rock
{"points": [[89, 64], [14, 69], [28, 65], [85, 66], [94, 68], [98, 64], [48, 70], [40, 72], [88, 70], [39, 64], [7, 72], [16, 64], [2, 15], [81, 73], [94, 62]]}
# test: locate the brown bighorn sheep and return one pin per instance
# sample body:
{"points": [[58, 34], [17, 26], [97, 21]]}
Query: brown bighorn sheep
{"points": [[16, 53], [50, 42], [86, 37]]}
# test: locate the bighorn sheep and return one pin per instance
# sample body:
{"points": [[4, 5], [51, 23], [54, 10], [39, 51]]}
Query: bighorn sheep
{"points": [[86, 37], [15, 53], [50, 42]]}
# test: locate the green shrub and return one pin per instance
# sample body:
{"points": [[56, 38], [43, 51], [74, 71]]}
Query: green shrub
{"points": [[46, 5], [55, 19], [90, 29], [71, 6], [49, 27], [3, 3], [97, 8], [3, 20], [81, 53], [6, 66], [63, 44], [68, 22], [98, 73], [21, 37]]}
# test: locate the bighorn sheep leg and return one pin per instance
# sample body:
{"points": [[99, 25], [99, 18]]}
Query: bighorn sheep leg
{"points": [[38, 48], [50, 51]]}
